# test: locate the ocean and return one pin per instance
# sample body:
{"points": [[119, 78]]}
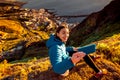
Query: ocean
{"points": [[68, 7]]}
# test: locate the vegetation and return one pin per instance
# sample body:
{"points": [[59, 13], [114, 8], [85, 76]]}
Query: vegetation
{"points": [[12, 33], [97, 26], [103, 30], [35, 68], [100, 33], [110, 47]]}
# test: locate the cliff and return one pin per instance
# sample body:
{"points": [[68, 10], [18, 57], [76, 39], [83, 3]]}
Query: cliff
{"points": [[97, 25]]}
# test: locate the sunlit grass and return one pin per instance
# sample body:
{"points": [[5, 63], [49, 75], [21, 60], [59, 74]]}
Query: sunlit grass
{"points": [[22, 69], [33, 67], [110, 47], [12, 32]]}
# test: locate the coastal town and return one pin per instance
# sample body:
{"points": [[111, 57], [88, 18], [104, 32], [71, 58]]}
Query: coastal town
{"points": [[45, 20], [31, 18]]}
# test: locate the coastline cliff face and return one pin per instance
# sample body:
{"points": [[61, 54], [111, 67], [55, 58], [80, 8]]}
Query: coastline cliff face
{"points": [[98, 25]]}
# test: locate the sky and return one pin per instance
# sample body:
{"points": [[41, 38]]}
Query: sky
{"points": [[68, 7]]}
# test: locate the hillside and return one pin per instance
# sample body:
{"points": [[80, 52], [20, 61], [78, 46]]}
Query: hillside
{"points": [[97, 25], [13, 33], [23, 31], [40, 69], [24, 56]]}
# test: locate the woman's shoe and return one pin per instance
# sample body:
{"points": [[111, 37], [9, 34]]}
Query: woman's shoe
{"points": [[101, 73]]}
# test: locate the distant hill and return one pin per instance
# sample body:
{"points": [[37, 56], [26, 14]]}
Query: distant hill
{"points": [[97, 26]]}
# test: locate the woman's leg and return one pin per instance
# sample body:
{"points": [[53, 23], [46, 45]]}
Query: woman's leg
{"points": [[91, 63]]}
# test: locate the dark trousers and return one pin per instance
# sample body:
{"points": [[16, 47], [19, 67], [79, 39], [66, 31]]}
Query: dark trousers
{"points": [[91, 63], [88, 59]]}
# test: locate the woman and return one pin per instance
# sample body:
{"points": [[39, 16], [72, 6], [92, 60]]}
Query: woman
{"points": [[59, 53]]}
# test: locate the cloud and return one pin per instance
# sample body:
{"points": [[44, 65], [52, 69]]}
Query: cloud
{"points": [[68, 6]]}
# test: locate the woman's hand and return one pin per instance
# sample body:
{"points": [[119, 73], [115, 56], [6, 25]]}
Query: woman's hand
{"points": [[76, 57], [75, 48]]}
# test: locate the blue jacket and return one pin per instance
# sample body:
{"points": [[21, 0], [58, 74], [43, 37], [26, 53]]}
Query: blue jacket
{"points": [[59, 55]]}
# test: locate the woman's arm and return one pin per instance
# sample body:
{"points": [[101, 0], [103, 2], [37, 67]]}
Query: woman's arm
{"points": [[88, 48], [59, 65], [69, 49]]}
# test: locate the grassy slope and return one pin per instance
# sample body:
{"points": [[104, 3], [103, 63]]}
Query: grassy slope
{"points": [[110, 48], [104, 31], [12, 32], [82, 37], [98, 25], [40, 69]]}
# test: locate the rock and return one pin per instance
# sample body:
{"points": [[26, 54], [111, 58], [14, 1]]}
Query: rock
{"points": [[15, 53]]}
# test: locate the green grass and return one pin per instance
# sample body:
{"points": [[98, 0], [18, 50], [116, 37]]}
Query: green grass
{"points": [[80, 37]]}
